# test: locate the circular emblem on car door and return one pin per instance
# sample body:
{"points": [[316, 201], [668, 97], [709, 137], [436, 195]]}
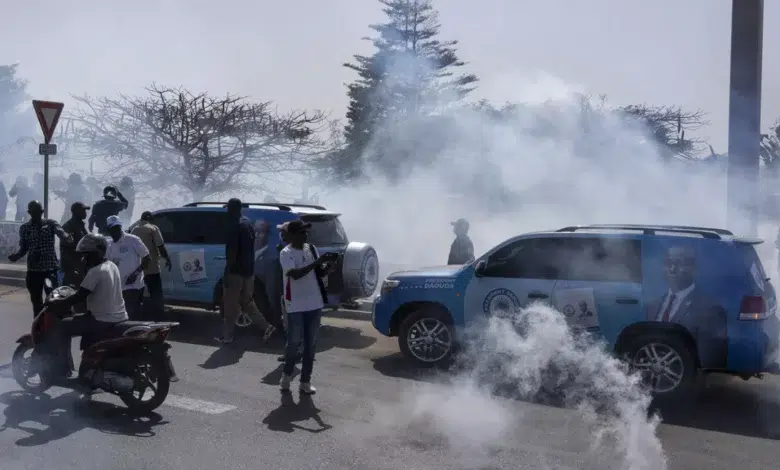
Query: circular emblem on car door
{"points": [[501, 302]]}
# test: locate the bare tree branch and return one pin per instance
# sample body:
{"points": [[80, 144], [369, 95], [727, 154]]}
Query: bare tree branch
{"points": [[205, 144]]}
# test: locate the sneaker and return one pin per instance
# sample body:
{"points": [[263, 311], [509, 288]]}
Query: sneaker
{"points": [[269, 332], [223, 340], [174, 378], [307, 389], [285, 382]]}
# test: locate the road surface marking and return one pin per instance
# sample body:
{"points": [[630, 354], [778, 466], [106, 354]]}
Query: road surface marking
{"points": [[200, 406]]}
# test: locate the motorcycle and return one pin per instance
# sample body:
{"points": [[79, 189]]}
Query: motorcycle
{"points": [[129, 360]]}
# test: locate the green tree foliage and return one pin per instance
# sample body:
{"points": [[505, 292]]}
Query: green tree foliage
{"points": [[410, 75]]}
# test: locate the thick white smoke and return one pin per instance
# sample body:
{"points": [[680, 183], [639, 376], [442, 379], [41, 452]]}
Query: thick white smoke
{"points": [[552, 162], [532, 356]]}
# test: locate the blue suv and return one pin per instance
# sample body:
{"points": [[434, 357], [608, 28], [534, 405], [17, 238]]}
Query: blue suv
{"points": [[673, 300], [195, 238]]}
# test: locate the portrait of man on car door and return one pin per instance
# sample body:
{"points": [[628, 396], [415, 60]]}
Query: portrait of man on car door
{"points": [[685, 301]]}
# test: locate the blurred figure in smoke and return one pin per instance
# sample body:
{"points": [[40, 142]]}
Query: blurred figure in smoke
{"points": [[71, 266], [36, 240], [37, 186], [23, 194], [75, 192], [128, 190], [462, 250], [3, 201], [105, 208], [94, 188]]}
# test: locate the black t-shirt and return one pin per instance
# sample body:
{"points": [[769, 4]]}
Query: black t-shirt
{"points": [[240, 246], [102, 210]]}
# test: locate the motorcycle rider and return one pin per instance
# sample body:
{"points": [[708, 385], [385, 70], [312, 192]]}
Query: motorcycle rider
{"points": [[101, 289]]}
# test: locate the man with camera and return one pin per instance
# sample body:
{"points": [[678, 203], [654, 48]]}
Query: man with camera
{"points": [[304, 297]]}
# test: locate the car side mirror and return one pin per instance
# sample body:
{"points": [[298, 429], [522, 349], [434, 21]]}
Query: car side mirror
{"points": [[479, 270]]}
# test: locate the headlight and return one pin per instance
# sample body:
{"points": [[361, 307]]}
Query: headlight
{"points": [[389, 285]]}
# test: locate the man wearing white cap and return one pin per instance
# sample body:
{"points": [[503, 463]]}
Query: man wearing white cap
{"points": [[131, 256]]}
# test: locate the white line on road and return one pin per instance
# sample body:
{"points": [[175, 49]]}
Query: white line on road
{"points": [[200, 406]]}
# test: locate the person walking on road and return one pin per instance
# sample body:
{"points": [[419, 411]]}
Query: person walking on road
{"points": [[36, 240], [71, 264], [105, 208], [128, 191], [304, 298], [238, 282], [153, 240], [462, 250], [129, 253]]}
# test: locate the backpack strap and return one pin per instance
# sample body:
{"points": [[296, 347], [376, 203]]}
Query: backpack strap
{"points": [[323, 292]]}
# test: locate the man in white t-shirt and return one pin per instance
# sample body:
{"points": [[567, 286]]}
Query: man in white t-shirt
{"points": [[131, 256], [304, 296], [101, 290]]}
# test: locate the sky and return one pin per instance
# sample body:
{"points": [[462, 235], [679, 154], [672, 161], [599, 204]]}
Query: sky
{"points": [[664, 52]]}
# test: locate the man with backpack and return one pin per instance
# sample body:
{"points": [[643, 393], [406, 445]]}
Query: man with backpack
{"points": [[304, 297]]}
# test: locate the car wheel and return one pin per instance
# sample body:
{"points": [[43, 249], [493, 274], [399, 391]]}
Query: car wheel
{"points": [[666, 364], [426, 337], [359, 271]]}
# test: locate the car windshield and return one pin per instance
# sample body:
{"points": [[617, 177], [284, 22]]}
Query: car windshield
{"points": [[326, 230]]}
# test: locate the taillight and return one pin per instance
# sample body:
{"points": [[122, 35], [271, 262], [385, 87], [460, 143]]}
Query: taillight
{"points": [[753, 307]]}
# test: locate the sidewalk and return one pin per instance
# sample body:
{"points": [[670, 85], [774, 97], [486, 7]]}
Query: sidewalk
{"points": [[12, 274]]}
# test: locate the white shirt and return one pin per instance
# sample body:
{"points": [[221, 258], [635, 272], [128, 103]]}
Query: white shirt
{"points": [[679, 298], [127, 253], [105, 301], [300, 295]]}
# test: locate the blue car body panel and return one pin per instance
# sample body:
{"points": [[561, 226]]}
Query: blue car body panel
{"points": [[717, 274]]}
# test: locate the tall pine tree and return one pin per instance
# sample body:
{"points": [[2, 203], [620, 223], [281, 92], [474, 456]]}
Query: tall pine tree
{"points": [[411, 74]]}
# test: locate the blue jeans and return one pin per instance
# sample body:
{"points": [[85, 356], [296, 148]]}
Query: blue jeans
{"points": [[301, 328]]}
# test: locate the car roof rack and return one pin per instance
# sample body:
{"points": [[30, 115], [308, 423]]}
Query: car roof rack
{"points": [[280, 206], [714, 233]]}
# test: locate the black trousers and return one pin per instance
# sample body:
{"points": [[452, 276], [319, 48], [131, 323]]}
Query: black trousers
{"points": [[134, 303], [154, 307], [36, 286]]}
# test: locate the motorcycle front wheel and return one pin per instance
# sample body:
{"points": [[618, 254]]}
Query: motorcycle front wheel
{"points": [[27, 368], [151, 383]]}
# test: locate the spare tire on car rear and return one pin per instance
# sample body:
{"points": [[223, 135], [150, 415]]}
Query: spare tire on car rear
{"points": [[359, 270]]}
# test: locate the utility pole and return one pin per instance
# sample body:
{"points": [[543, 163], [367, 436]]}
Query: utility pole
{"points": [[747, 35]]}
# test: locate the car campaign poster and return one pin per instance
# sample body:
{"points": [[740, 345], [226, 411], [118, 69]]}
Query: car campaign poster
{"points": [[193, 267], [578, 306]]}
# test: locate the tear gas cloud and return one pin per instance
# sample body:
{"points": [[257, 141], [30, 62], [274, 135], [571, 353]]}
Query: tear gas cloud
{"points": [[555, 160]]}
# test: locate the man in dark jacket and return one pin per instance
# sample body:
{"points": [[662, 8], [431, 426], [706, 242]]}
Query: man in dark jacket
{"points": [[105, 208], [462, 250], [70, 264]]}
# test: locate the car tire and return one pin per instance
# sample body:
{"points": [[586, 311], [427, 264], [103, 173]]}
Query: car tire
{"points": [[359, 271], [434, 349], [666, 363]]}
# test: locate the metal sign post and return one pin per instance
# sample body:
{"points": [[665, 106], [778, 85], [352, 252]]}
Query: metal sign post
{"points": [[48, 113]]}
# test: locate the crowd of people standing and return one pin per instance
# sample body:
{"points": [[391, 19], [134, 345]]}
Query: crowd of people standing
{"points": [[76, 189]]}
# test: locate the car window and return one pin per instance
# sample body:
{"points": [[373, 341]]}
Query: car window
{"points": [[192, 227], [325, 230], [602, 259], [526, 259]]}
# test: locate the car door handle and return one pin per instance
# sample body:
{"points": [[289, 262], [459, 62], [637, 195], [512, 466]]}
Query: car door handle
{"points": [[220, 258], [627, 300], [538, 295]]}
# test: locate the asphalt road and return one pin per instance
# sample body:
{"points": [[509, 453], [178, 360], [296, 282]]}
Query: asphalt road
{"points": [[227, 412]]}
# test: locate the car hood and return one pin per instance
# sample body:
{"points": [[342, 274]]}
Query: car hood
{"points": [[435, 271]]}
